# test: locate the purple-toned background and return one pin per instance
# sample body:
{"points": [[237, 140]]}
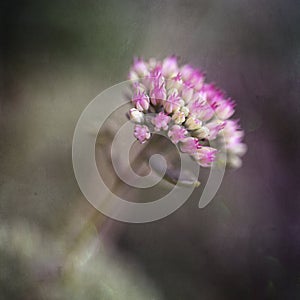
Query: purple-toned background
{"points": [[58, 55]]}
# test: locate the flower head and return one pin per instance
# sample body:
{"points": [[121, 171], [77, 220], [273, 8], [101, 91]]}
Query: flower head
{"points": [[192, 111]]}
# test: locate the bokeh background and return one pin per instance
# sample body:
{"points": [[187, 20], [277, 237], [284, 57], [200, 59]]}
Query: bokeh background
{"points": [[56, 56]]}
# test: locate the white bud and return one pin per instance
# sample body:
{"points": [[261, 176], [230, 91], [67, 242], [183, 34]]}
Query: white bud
{"points": [[193, 124], [234, 161], [202, 132], [185, 110], [178, 117], [136, 116]]}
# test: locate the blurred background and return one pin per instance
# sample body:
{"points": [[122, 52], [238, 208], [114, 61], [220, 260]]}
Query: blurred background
{"points": [[56, 56]]}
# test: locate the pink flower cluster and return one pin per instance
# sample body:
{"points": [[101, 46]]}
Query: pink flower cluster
{"points": [[178, 101]]}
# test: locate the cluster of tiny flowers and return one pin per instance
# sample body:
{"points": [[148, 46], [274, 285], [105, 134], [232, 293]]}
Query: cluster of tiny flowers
{"points": [[178, 101]]}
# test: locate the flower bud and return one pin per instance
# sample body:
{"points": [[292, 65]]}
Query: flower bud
{"points": [[192, 123], [187, 93], [185, 110], [214, 128], [136, 116], [140, 67], [202, 132], [158, 94], [190, 145], [224, 109], [160, 121], [205, 156], [142, 133], [177, 133], [141, 101], [173, 103], [169, 66], [178, 117]]}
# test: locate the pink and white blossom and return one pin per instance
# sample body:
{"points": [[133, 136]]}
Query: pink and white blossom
{"points": [[173, 103], [158, 94], [233, 138], [177, 133], [190, 145], [205, 156], [201, 110], [224, 109], [160, 121], [175, 82], [214, 128], [142, 133], [178, 100], [141, 100], [187, 92], [170, 66], [140, 67], [193, 77]]}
